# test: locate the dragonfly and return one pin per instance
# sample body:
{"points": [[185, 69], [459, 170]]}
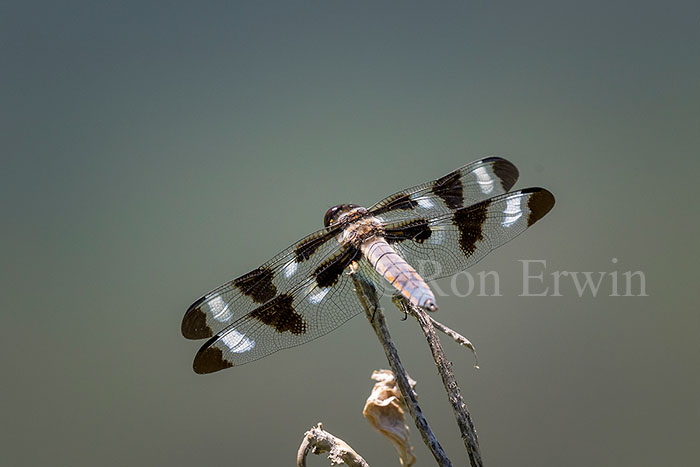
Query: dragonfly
{"points": [[307, 290]]}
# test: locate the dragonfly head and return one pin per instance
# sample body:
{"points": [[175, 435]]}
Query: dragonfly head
{"points": [[334, 214]]}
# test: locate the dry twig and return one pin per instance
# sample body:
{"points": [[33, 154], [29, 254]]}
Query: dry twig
{"points": [[318, 441], [457, 337], [464, 420]]}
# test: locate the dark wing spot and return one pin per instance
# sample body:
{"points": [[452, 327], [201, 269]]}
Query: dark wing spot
{"points": [[194, 324], [417, 230], [257, 284], [470, 221], [449, 188], [505, 171], [399, 201], [539, 204], [328, 272], [210, 359], [280, 314], [308, 246]]}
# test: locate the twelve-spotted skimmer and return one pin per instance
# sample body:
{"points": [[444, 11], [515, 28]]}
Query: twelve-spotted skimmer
{"points": [[307, 291]]}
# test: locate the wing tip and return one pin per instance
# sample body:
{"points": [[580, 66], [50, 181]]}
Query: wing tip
{"points": [[540, 202], [194, 323], [504, 169], [209, 360]]}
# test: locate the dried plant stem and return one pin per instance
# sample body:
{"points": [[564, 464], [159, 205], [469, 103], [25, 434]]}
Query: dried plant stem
{"points": [[464, 420], [318, 441], [368, 298], [457, 337]]}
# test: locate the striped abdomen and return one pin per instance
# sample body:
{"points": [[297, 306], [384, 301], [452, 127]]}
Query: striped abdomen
{"points": [[398, 272]]}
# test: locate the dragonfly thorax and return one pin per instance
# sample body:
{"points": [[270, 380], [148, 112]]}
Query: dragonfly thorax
{"points": [[360, 230]]}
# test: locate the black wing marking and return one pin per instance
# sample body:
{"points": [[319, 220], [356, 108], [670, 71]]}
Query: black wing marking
{"points": [[445, 243], [465, 186]]}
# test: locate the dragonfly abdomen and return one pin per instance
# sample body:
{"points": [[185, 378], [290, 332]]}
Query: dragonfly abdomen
{"points": [[398, 272]]}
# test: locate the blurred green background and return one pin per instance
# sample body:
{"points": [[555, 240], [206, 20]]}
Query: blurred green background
{"points": [[151, 151]]}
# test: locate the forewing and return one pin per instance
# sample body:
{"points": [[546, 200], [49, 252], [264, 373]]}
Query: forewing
{"points": [[465, 186], [441, 245]]}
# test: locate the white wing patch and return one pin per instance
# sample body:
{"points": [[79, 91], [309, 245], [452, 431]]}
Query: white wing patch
{"points": [[290, 268], [512, 211], [425, 203], [237, 342], [317, 294], [220, 310], [437, 236], [484, 180]]}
